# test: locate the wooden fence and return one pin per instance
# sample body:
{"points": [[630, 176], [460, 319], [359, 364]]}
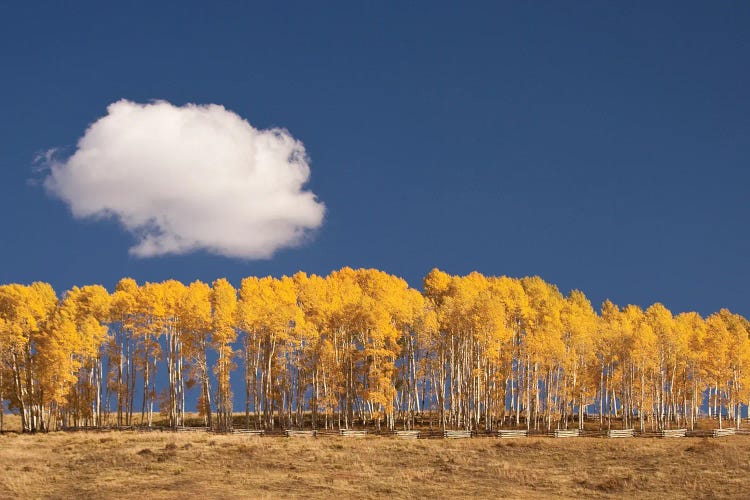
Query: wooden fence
{"points": [[508, 433], [249, 432], [435, 433], [351, 433], [300, 434], [407, 434], [673, 433], [456, 434], [723, 432], [566, 433], [191, 429], [621, 433]]}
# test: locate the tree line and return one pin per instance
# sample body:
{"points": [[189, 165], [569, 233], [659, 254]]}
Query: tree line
{"points": [[360, 347]]}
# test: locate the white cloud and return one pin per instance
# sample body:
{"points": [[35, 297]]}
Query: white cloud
{"points": [[190, 178]]}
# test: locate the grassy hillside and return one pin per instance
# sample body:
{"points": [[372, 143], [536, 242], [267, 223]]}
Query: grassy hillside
{"points": [[163, 465]]}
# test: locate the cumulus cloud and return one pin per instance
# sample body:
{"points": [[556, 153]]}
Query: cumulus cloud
{"points": [[187, 178]]}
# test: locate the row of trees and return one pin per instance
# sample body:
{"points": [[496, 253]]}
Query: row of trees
{"points": [[360, 347]]}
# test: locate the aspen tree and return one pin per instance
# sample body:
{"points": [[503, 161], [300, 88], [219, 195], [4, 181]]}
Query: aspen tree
{"points": [[344, 322], [644, 359], [693, 330], [579, 322], [610, 327], [436, 288], [511, 292], [26, 311], [4, 356], [543, 343], [223, 321], [196, 324], [312, 300], [121, 349], [73, 348], [249, 322], [150, 314], [736, 374], [393, 311], [670, 353], [411, 379], [173, 294], [493, 334], [270, 315], [717, 364]]}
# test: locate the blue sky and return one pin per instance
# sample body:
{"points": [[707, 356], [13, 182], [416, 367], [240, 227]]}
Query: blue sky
{"points": [[600, 145]]}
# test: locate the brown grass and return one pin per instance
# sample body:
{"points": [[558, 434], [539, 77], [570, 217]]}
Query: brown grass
{"points": [[167, 465]]}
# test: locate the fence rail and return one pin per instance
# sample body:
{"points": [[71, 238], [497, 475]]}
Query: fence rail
{"points": [[249, 432], [407, 434], [621, 433], [352, 433], [514, 433], [456, 434], [723, 432], [191, 429], [566, 433], [300, 434]]}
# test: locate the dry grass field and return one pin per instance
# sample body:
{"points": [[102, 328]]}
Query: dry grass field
{"points": [[169, 465]]}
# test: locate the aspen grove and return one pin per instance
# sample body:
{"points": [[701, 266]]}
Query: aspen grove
{"points": [[362, 348]]}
